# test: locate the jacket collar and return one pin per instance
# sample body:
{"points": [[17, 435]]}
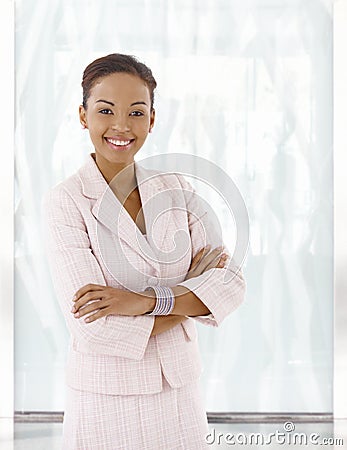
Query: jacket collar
{"points": [[93, 183], [108, 210]]}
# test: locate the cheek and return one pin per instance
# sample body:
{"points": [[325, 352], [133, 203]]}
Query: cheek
{"points": [[141, 128], [96, 138], [96, 130]]}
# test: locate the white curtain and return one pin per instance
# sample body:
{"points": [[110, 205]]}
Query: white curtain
{"points": [[245, 84]]}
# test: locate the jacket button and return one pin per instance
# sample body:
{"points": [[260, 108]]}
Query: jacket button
{"points": [[153, 281]]}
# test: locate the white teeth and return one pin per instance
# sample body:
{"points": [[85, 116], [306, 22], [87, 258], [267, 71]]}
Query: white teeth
{"points": [[116, 142]]}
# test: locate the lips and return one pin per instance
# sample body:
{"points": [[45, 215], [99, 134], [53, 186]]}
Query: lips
{"points": [[119, 143]]}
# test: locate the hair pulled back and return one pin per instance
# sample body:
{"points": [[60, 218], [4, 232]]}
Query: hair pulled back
{"points": [[116, 63]]}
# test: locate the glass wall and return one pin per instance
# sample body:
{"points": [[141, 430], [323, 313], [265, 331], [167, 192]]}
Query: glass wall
{"points": [[245, 84]]}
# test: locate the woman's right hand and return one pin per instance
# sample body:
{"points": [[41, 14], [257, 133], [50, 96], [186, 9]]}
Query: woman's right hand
{"points": [[205, 260]]}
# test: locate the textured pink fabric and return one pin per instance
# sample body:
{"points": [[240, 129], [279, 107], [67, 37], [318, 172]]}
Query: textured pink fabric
{"points": [[115, 371], [90, 238], [169, 420]]}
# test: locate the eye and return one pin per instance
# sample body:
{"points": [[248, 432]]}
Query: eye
{"points": [[105, 111], [137, 113]]}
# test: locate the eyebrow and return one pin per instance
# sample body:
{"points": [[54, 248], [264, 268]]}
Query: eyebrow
{"points": [[112, 104]]}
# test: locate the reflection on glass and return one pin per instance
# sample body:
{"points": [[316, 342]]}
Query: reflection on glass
{"points": [[244, 84]]}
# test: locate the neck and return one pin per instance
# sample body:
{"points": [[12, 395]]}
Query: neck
{"points": [[121, 177]]}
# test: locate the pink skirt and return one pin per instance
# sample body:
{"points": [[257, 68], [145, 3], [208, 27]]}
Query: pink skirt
{"points": [[173, 419]]}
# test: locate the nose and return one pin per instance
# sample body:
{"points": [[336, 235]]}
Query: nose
{"points": [[120, 122]]}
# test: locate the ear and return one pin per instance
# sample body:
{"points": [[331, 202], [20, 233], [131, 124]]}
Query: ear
{"points": [[152, 119], [83, 118]]}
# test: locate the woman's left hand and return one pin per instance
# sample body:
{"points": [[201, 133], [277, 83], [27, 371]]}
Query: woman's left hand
{"points": [[106, 300]]}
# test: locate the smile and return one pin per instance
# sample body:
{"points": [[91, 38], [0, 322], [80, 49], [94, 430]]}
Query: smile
{"points": [[117, 142]]}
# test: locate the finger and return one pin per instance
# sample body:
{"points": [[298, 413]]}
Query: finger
{"points": [[95, 305], [222, 260], [217, 250], [211, 258], [219, 261], [102, 313], [204, 251], [201, 253], [88, 287], [204, 262], [197, 256], [88, 297]]}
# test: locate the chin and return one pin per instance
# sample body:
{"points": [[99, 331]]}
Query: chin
{"points": [[116, 156]]}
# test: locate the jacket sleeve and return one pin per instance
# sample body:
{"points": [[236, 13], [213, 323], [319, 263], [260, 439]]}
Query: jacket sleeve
{"points": [[73, 265], [222, 290]]}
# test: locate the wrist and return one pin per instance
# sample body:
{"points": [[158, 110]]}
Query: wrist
{"points": [[148, 300], [164, 300]]}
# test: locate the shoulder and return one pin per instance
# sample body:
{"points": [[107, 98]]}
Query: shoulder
{"points": [[65, 191], [169, 179]]}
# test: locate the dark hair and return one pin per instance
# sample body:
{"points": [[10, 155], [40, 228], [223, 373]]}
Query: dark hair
{"points": [[116, 63]]}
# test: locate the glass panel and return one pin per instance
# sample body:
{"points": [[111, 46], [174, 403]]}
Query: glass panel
{"points": [[247, 85]]}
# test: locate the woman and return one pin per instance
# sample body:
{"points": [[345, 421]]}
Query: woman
{"points": [[130, 293]]}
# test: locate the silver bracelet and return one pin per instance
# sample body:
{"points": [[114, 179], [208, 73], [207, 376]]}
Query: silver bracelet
{"points": [[165, 300]]}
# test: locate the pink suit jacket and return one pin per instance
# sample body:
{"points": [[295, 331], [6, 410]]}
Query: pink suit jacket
{"points": [[91, 238]]}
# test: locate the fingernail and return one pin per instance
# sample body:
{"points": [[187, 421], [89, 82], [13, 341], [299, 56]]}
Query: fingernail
{"points": [[74, 298], [73, 309], [77, 314]]}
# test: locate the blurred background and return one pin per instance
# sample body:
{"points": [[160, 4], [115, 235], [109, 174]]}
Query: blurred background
{"points": [[245, 84], [257, 87]]}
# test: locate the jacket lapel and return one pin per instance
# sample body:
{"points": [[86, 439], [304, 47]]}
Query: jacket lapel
{"points": [[156, 204], [108, 210]]}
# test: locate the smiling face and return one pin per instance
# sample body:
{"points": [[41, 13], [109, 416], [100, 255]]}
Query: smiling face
{"points": [[118, 117]]}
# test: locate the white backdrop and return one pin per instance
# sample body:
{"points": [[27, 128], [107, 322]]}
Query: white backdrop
{"points": [[246, 84]]}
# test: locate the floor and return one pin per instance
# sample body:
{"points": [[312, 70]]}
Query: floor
{"points": [[47, 436]]}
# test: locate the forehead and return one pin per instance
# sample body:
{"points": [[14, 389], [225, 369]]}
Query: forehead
{"points": [[120, 86]]}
